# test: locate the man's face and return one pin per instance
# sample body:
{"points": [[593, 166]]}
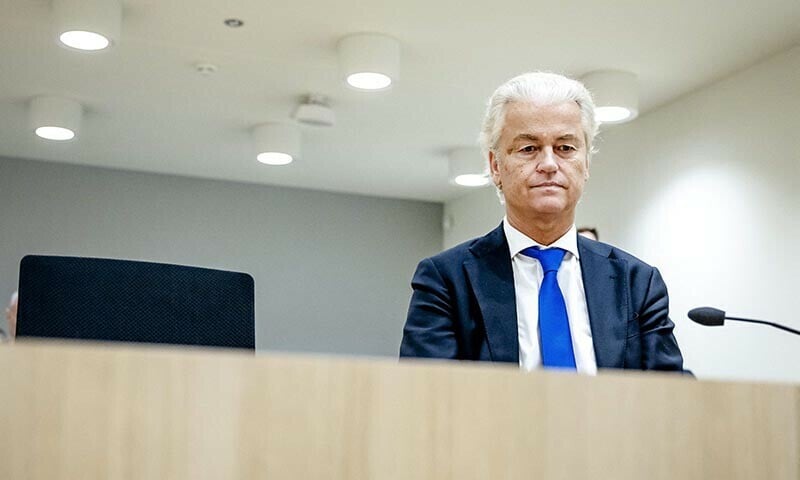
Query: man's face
{"points": [[541, 161]]}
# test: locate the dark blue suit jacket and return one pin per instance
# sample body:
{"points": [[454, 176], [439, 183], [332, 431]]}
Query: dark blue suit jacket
{"points": [[463, 307]]}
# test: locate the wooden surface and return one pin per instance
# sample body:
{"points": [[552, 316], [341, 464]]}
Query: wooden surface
{"points": [[109, 412]]}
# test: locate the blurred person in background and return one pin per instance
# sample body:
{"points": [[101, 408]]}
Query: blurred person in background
{"points": [[11, 319], [589, 232]]}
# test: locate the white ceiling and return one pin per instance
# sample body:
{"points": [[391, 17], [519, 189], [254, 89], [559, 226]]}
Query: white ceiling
{"points": [[149, 111]]}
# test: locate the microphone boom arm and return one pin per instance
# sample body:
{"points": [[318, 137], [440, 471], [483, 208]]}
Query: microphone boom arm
{"points": [[764, 322]]}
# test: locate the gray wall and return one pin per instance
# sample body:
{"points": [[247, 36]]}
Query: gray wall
{"points": [[332, 271]]}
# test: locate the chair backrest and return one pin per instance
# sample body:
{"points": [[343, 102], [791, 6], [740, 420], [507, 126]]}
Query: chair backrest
{"points": [[131, 301]]}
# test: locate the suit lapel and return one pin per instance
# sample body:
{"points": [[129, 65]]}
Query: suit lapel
{"points": [[492, 280], [607, 302]]}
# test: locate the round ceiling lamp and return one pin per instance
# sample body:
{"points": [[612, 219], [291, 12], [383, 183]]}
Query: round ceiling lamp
{"points": [[369, 61], [467, 167], [616, 95], [88, 25], [276, 143], [55, 118]]}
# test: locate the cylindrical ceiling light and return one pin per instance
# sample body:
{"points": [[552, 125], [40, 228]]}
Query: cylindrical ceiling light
{"points": [[467, 167], [616, 95], [55, 118], [88, 24], [276, 143], [369, 61]]}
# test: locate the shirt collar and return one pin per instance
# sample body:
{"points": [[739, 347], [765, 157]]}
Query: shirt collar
{"points": [[518, 241]]}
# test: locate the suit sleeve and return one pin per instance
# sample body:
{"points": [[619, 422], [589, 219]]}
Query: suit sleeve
{"points": [[429, 330], [659, 348]]}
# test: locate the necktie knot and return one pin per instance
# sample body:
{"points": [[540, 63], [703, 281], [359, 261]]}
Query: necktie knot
{"points": [[550, 258]]}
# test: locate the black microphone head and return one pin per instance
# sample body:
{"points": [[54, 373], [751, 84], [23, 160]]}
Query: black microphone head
{"points": [[708, 316]]}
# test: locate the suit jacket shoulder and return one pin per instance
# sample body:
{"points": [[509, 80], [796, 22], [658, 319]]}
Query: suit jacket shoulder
{"points": [[475, 247], [462, 305], [628, 308]]}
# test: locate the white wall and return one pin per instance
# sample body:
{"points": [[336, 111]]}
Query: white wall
{"points": [[472, 215], [705, 188], [332, 271]]}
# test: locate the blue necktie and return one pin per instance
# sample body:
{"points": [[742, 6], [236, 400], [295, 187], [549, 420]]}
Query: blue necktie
{"points": [[553, 323]]}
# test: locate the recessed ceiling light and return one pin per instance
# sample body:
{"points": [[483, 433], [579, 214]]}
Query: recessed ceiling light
{"points": [[55, 133], [467, 167], [234, 22], [88, 24], [369, 81], [55, 118], [276, 143], [472, 180], [611, 114], [274, 158], [616, 95], [84, 40], [369, 61]]}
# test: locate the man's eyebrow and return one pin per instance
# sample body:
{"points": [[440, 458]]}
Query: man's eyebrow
{"points": [[526, 136], [535, 138]]}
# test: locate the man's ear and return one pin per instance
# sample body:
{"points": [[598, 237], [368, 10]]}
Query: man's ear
{"points": [[494, 169]]}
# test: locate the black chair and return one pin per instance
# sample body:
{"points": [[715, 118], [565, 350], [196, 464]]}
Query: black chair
{"points": [[128, 301]]}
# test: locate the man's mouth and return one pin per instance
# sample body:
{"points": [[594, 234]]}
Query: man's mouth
{"points": [[548, 184]]}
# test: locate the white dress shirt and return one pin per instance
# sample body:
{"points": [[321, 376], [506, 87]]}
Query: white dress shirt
{"points": [[528, 275]]}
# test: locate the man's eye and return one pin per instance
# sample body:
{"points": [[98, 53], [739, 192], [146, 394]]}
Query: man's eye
{"points": [[566, 148], [527, 149]]}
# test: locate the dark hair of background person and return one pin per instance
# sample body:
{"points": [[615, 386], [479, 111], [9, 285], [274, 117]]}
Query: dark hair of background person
{"points": [[590, 230]]}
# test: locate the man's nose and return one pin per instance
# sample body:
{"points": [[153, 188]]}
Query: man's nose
{"points": [[547, 162]]}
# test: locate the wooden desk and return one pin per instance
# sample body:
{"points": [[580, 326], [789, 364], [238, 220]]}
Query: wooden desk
{"points": [[83, 412]]}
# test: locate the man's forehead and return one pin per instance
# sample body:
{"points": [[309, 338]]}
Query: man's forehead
{"points": [[532, 118], [538, 108]]}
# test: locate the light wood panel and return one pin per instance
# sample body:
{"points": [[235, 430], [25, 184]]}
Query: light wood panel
{"points": [[111, 412]]}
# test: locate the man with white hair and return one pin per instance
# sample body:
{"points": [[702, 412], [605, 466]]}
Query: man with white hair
{"points": [[532, 291]]}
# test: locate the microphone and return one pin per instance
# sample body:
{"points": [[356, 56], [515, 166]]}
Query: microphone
{"points": [[714, 317]]}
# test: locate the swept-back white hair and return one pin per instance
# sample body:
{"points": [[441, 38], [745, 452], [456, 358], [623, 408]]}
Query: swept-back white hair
{"points": [[540, 87]]}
